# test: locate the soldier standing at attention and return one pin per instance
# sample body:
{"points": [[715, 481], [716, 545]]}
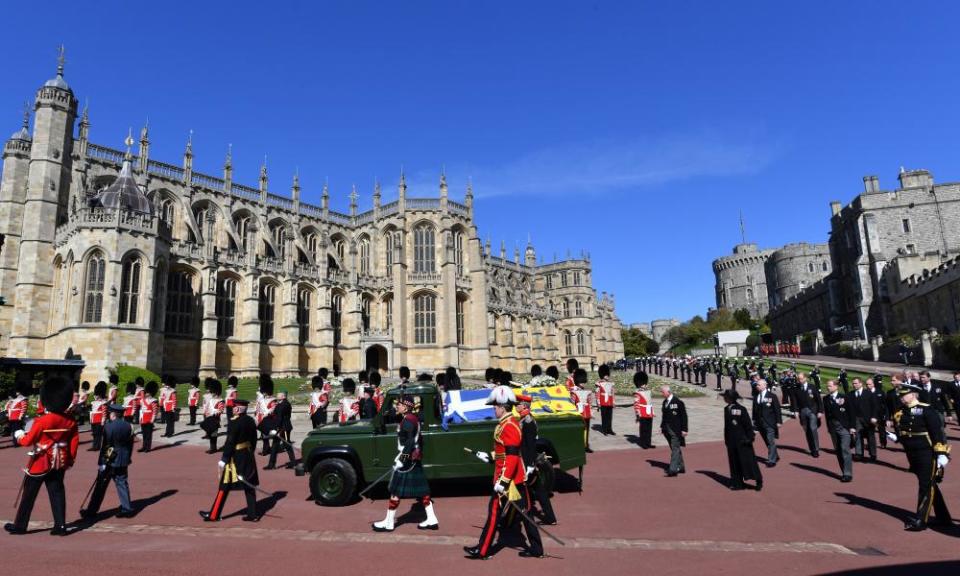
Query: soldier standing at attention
{"points": [[130, 403], [193, 399], [319, 399], [529, 454], [767, 417], [148, 410], [581, 397], [643, 408], [508, 478], [810, 406], [674, 426], [169, 406], [55, 440], [266, 404], [116, 456], [917, 428], [349, 405], [408, 479], [212, 409], [238, 465], [98, 414], [378, 395], [605, 399], [841, 427], [113, 392], [738, 437], [718, 371], [572, 366]]}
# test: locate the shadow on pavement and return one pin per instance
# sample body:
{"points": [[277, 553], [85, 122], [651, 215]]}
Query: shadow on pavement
{"points": [[816, 469], [165, 446], [925, 568], [137, 505], [657, 464], [716, 477], [893, 511]]}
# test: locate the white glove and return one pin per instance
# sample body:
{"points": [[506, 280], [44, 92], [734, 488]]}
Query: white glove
{"points": [[18, 434], [483, 456], [273, 433], [102, 467], [891, 437], [221, 464], [530, 470], [499, 488], [942, 460], [397, 465]]}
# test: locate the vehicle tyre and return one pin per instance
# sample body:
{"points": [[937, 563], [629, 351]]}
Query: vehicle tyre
{"points": [[546, 473], [333, 482]]}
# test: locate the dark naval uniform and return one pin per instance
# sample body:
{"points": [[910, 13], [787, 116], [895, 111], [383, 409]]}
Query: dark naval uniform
{"points": [[839, 424], [673, 424], [528, 453], [918, 431], [738, 435], [116, 455], [238, 461]]}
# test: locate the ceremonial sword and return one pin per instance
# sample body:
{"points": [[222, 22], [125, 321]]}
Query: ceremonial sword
{"points": [[390, 471], [257, 488]]}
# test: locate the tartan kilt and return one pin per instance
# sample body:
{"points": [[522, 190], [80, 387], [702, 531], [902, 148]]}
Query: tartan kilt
{"points": [[410, 483]]}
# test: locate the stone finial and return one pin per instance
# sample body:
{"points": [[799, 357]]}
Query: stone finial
{"points": [[145, 132], [189, 151], [295, 189], [85, 115], [264, 180], [325, 196], [128, 142], [402, 187], [228, 160], [503, 250], [443, 182], [353, 200], [61, 60], [26, 115]]}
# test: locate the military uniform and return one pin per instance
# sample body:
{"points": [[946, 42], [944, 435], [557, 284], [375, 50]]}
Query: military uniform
{"points": [[839, 424], [116, 455], [238, 466], [767, 417], [673, 425], [738, 437], [529, 453], [918, 430]]}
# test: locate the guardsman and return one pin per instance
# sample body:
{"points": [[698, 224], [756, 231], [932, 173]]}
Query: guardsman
{"points": [[130, 402], [408, 479], [605, 399], [98, 414], [280, 435], [841, 427], [810, 406], [169, 406], [113, 392], [490, 377], [767, 418], [16, 412], [643, 409], [238, 465], [266, 404], [139, 392], [319, 399], [368, 406], [718, 372], [581, 397], [572, 366], [80, 407], [148, 412], [738, 437], [349, 405], [674, 426], [212, 409], [115, 458], [530, 455], [917, 427], [193, 399], [54, 439], [378, 397], [508, 477], [230, 396]]}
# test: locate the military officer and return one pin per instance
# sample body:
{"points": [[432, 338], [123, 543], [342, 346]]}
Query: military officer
{"points": [[280, 436], [529, 453], [238, 465], [674, 427], [917, 427], [841, 427], [116, 455], [767, 417], [738, 437]]}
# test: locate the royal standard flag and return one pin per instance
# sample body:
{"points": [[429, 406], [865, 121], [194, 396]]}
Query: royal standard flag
{"points": [[550, 400]]}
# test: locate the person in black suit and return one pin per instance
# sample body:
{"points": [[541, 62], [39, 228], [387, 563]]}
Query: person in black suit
{"points": [[953, 392], [738, 435], [674, 427], [934, 395], [238, 465], [865, 412], [809, 407], [841, 427], [767, 417], [880, 403], [116, 455], [281, 434]]}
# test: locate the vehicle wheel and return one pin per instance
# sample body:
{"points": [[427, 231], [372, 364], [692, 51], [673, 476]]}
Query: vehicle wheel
{"points": [[333, 482], [546, 474]]}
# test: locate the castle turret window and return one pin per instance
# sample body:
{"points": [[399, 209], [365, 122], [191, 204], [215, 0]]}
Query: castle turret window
{"points": [[563, 279], [423, 248], [365, 256], [425, 319], [581, 343], [549, 281], [567, 343], [226, 307], [461, 305], [303, 315], [130, 291], [93, 298], [388, 256], [578, 308], [576, 277], [458, 252]]}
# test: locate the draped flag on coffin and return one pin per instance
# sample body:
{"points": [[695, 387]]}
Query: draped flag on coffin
{"points": [[471, 405]]}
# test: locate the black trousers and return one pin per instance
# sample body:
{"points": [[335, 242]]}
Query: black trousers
{"points": [[14, 426], [97, 431], [496, 510], [58, 498], [146, 431], [193, 415], [606, 419], [318, 418], [169, 421], [275, 443], [213, 439], [646, 432], [541, 494], [229, 413], [923, 465], [719, 381]]}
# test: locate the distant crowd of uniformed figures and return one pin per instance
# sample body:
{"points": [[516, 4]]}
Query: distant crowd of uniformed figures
{"points": [[859, 416]]}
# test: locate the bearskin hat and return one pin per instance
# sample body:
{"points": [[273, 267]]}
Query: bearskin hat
{"points": [[640, 379], [553, 372], [130, 388], [266, 385], [375, 379], [535, 370], [316, 382], [579, 376], [152, 387], [404, 372], [56, 394], [572, 364], [506, 377], [349, 386], [100, 390], [85, 386], [195, 381], [489, 374], [232, 381], [114, 378], [323, 372], [603, 371], [214, 387], [362, 376]]}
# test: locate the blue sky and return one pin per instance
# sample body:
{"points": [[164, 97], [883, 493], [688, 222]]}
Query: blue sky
{"points": [[633, 130]]}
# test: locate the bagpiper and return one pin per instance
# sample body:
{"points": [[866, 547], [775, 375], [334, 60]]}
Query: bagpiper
{"points": [[238, 465], [55, 440], [508, 477], [408, 479]]}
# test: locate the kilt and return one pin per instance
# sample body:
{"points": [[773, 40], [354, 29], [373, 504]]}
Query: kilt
{"points": [[409, 482]]}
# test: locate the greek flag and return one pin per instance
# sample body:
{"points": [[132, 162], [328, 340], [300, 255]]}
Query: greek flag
{"points": [[466, 406]]}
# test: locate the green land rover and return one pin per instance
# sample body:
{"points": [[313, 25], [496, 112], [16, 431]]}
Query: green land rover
{"points": [[342, 458]]}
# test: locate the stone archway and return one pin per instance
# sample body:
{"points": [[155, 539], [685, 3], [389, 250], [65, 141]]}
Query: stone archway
{"points": [[377, 359]]}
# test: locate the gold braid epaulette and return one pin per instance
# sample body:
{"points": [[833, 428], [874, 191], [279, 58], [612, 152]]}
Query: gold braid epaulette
{"points": [[941, 448], [897, 416]]}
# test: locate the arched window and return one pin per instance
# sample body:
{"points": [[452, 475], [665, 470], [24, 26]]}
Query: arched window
{"points": [[93, 297], [130, 290], [226, 307], [336, 315], [303, 315], [749, 296], [365, 256], [458, 251], [200, 215], [578, 308], [423, 248], [824, 267], [425, 319], [388, 238], [312, 245], [567, 343], [242, 223], [167, 211], [581, 343], [265, 310], [576, 277], [549, 281], [388, 313], [366, 303], [280, 241], [563, 279], [565, 308], [461, 320], [180, 303], [339, 246]]}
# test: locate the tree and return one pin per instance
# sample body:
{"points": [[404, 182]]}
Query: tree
{"points": [[636, 343], [743, 319]]}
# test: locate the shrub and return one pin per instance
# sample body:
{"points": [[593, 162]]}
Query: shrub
{"points": [[951, 347], [846, 351], [130, 373]]}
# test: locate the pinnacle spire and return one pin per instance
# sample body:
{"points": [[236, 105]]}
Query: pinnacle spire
{"points": [[26, 116], [129, 143], [145, 132], [296, 178], [85, 117], [189, 150], [61, 60], [228, 161]]}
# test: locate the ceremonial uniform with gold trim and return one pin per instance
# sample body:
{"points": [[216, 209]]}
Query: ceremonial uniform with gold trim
{"points": [[919, 432], [239, 462]]}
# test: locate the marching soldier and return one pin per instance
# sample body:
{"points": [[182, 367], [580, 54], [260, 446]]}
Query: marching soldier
{"points": [[319, 399], [130, 403], [238, 465], [841, 427], [16, 409], [767, 417], [148, 411], [408, 479], [673, 425], [55, 440], [169, 406], [581, 397], [529, 454], [508, 477], [917, 427], [280, 434], [643, 408], [116, 456], [266, 404], [810, 406], [738, 437], [349, 405], [113, 391], [230, 396], [212, 409], [193, 399], [605, 399], [368, 406], [98, 414]]}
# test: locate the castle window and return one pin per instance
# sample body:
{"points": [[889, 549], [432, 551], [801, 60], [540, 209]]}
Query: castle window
{"points": [[93, 299], [336, 316], [303, 315], [265, 310], [365, 256], [425, 319], [581, 343], [823, 266], [388, 241], [200, 215], [167, 211], [365, 304], [339, 247], [568, 343], [749, 296], [226, 307], [312, 247], [458, 251], [461, 305], [423, 248], [911, 249], [578, 308], [280, 241], [388, 313], [563, 279], [130, 291], [549, 281], [242, 224], [576, 277], [906, 225], [565, 308], [180, 303]]}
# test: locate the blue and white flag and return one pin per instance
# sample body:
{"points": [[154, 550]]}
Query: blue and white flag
{"points": [[466, 406]]}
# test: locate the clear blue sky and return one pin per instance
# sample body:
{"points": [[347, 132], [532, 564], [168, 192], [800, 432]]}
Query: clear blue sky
{"points": [[633, 130]]}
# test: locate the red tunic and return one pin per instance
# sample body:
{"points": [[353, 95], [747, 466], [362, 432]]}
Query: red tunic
{"points": [[148, 409], [170, 402], [130, 404], [506, 451], [17, 409], [98, 411], [231, 396], [642, 405], [605, 393], [193, 397], [47, 443]]}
